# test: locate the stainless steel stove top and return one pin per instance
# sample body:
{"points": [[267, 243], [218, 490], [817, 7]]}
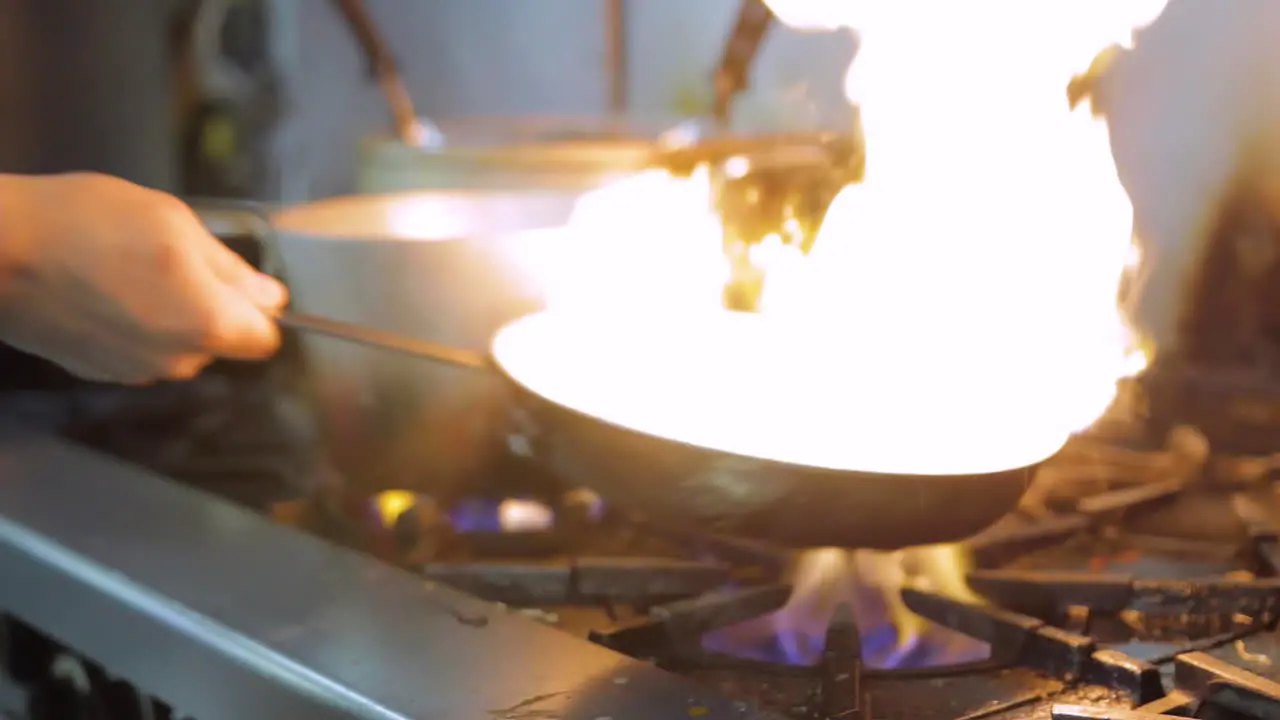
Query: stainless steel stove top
{"points": [[129, 595], [126, 590]]}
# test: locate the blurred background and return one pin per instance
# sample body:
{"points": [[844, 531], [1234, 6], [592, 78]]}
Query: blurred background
{"points": [[272, 99], [288, 103]]}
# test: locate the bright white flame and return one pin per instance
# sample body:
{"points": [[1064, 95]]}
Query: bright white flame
{"points": [[962, 298], [765, 387], [958, 313], [648, 242], [867, 582], [827, 576], [991, 231]]}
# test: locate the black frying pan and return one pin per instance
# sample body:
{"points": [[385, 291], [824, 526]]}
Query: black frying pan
{"points": [[659, 460]]}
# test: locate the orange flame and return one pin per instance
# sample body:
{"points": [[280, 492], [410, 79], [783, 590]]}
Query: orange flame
{"points": [[965, 289], [990, 221]]}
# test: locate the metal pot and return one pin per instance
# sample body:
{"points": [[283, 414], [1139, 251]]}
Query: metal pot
{"points": [[507, 154], [439, 266]]}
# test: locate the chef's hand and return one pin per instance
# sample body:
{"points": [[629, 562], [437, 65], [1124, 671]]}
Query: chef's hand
{"points": [[118, 283], [1192, 109]]}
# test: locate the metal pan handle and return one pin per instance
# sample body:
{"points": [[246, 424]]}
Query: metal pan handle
{"points": [[391, 342], [227, 220]]}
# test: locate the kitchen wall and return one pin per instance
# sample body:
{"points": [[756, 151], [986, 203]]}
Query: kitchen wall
{"points": [[468, 58], [85, 86]]}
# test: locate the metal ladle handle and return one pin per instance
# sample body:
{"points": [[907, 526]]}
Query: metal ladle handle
{"points": [[392, 342], [740, 50], [383, 67]]}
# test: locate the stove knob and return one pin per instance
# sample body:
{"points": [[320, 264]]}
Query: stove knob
{"points": [[124, 701], [68, 693]]}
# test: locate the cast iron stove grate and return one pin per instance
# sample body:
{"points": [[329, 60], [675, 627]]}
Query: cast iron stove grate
{"points": [[1085, 616], [1105, 606]]}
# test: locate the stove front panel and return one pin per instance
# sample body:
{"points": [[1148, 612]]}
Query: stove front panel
{"points": [[221, 614]]}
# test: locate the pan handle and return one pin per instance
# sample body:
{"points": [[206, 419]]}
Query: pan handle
{"points": [[228, 220], [392, 342]]}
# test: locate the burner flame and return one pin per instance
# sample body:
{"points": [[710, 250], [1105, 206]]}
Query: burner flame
{"points": [[511, 515], [868, 584]]}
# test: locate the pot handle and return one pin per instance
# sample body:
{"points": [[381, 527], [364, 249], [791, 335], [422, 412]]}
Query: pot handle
{"points": [[230, 220]]}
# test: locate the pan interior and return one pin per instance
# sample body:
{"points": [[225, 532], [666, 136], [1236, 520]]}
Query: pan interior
{"points": [[751, 385]]}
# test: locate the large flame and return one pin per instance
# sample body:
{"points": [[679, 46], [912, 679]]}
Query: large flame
{"points": [[867, 582], [648, 242], [964, 292], [991, 221], [990, 217], [975, 269]]}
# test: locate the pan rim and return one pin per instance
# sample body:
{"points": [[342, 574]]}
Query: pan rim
{"points": [[428, 216], [502, 340]]}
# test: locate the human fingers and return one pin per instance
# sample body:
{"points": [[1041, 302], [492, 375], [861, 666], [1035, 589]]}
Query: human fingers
{"points": [[185, 224], [230, 304], [120, 359], [236, 327], [184, 367], [93, 347], [222, 319], [115, 363], [263, 290]]}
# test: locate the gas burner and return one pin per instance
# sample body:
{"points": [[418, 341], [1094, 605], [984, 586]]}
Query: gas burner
{"points": [[1205, 686], [1139, 579], [1081, 610]]}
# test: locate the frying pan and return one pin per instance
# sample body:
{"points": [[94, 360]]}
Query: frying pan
{"points": [[683, 423]]}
